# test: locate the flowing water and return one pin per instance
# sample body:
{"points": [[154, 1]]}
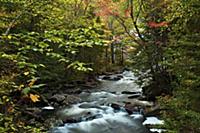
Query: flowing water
{"points": [[105, 111]]}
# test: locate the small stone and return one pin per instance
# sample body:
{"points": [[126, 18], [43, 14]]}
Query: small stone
{"points": [[72, 99], [56, 104], [65, 102], [69, 86], [89, 86]]}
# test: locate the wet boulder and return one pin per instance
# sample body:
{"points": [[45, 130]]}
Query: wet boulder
{"points": [[120, 76], [126, 69], [34, 111], [115, 106], [115, 78], [131, 92], [112, 77], [130, 108], [106, 78], [89, 105], [75, 90], [58, 98]]}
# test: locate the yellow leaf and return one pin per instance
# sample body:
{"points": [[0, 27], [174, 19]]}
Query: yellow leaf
{"points": [[10, 109], [32, 82], [20, 87], [34, 98], [9, 36], [26, 73], [4, 97]]}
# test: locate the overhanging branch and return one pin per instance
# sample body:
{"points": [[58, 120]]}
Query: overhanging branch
{"points": [[135, 21], [121, 21]]}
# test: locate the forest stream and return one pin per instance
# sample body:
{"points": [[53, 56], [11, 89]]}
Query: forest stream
{"points": [[113, 107]]}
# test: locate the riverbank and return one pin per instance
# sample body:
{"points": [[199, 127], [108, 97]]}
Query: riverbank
{"points": [[42, 114], [118, 90]]}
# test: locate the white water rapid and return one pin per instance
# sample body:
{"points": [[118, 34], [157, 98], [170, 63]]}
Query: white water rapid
{"points": [[105, 111]]}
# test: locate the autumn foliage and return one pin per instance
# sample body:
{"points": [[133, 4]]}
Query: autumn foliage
{"points": [[106, 8], [157, 25]]}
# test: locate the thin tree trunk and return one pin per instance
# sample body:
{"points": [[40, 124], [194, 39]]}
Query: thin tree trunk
{"points": [[122, 54], [12, 23], [112, 53], [107, 58]]}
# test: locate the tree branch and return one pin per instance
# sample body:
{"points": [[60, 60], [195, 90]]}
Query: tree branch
{"points": [[12, 23], [18, 16], [121, 21], [135, 21], [86, 7]]}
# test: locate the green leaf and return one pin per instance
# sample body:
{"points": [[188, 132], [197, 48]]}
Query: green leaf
{"points": [[38, 86], [26, 90], [89, 69]]}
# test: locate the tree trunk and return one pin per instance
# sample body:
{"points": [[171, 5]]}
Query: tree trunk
{"points": [[122, 55], [112, 53]]}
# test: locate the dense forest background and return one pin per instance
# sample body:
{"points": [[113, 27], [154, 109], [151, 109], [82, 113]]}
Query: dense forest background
{"points": [[46, 44]]}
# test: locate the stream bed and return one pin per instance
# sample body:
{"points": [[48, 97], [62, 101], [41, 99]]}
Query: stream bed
{"points": [[114, 107]]}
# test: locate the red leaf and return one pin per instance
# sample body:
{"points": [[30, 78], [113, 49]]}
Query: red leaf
{"points": [[156, 25], [127, 12]]}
